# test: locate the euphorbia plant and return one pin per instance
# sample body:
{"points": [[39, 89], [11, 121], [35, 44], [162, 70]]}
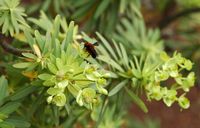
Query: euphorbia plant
{"points": [[57, 83]]}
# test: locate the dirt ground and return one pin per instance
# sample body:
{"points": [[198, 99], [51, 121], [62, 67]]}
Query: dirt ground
{"points": [[173, 117]]}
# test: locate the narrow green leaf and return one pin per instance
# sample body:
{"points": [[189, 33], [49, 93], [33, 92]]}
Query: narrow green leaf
{"points": [[2, 19], [125, 56], [9, 108], [45, 76], [40, 39], [47, 44], [107, 45], [117, 49], [37, 102], [46, 5], [103, 51], [137, 63], [118, 87], [82, 11], [3, 88], [69, 36], [110, 62], [59, 63], [57, 49], [136, 10], [87, 38], [101, 8], [23, 92], [43, 22], [22, 65], [29, 55], [5, 25], [137, 100], [52, 68], [6, 125], [122, 8], [18, 122], [14, 22], [29, 38], [56, 27]]}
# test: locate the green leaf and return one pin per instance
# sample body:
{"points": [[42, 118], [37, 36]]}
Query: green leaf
{"points": [[9, 108], [118, 87], [117, 49], [125, 56], [3, 88], [56, 26], [52, 68], [69, 36], [137, 100], [6, 125], [57, 50], [47, 44], [14, 21], [111, 62], [45, 76], [107, 45], [39, 39], [54, 91], [29, 38], [88, 39], [82, 11], [50, 82], [18, 122], [103, 5], [29, 55], [3, 117], [23, 92], [59, 63], [22, 65], [43, 22], [5, 25]]}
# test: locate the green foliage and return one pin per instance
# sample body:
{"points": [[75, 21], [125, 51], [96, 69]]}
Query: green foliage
{"points": [[189, 3], [8, 108], [111, 120], [63, 70], [11, 17], [147, 123], [134, 35], [59, 84], [61, 7], [3, 88], [148, 75]]}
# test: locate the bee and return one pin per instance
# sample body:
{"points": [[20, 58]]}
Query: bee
{"points": [[90, 48]]}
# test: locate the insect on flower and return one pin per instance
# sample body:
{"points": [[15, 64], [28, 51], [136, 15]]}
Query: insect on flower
{"points": [[90, 48]]}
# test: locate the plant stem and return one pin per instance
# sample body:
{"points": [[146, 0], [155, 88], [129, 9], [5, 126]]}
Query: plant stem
{"points": [[8, 48]]}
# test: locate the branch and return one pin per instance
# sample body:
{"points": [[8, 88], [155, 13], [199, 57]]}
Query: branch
{"points": [[166, 21], [8, 48]]}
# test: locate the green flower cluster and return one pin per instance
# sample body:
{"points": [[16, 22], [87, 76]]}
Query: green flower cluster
{"points": [[70, 74], [171, 70], [57, 58], [11, 17]]}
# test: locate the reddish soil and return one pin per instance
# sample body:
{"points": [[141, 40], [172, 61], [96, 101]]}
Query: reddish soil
{"points": [[173, 117]]}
